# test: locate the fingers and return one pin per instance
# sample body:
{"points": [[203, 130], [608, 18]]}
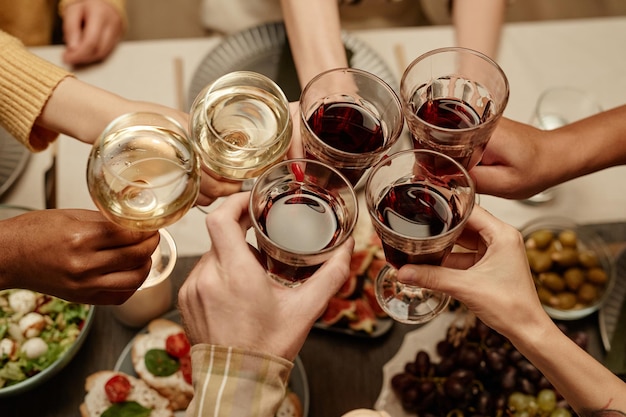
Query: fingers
{"points": [[227, 225], [330, 277], [212, 187]]}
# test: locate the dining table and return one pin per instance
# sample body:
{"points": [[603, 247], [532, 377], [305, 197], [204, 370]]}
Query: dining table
{"points": [[343, 372]]}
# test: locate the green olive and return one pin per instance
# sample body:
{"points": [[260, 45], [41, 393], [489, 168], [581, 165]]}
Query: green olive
{"points": [[574, 277], [588, 258], [565, 300], [542, 238], [568, 238], [566, 257], [539, 261], [552, 281], [597, 275], [587, 293]]}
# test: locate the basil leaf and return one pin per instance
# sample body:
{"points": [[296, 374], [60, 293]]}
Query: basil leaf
{"points": [[159, 363], [127, 409]]}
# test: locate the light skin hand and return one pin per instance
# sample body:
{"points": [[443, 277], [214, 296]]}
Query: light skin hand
{"points": [[495, 283], [92, 29], [229, 300], [493, 279], [76, 255]]}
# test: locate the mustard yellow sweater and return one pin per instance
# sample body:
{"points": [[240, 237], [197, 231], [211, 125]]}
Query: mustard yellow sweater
{"points": [[26, 83]]}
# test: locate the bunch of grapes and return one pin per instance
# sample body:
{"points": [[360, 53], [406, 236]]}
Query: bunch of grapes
{"points": [[479, 373]]}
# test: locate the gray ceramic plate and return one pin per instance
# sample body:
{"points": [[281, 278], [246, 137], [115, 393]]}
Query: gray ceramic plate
{"points": [[297, 380], [13, 158], [609, 313], [264, 49]]}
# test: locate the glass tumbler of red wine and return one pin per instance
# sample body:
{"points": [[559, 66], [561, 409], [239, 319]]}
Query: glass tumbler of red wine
{"points": [[419, 201], [302, 211], [349, 119], [241, 125], [452, 99]]}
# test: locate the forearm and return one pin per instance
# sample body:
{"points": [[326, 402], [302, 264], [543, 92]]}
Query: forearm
{"points": [[585, 383], [478, 24], [314, 36], [231, 382], [588, 146]]}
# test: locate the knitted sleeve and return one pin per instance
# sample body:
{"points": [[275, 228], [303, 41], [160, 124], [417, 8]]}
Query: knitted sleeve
{"points": [[26, 83]]}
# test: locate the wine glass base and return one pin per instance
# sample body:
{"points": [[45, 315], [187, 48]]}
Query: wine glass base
{"points": [[405, 303]]}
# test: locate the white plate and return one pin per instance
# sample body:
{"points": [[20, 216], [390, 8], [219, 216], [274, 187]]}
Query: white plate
{"points": [[297, 380], [13, 158], [425, 338], [263, 49], [609, 313]]}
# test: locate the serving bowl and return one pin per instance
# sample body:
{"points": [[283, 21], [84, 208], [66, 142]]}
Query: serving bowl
{"points": [[572, 267], [65, 323]]}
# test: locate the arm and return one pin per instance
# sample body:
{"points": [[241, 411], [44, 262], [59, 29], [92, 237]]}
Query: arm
{"points": [[478, 24], [76, 255], [314, 36], [235, 314], [520, 159], [495, 283], [92, 28]]}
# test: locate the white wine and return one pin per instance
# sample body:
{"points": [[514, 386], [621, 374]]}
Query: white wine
{"points": [[143, 178], [239, 131]]}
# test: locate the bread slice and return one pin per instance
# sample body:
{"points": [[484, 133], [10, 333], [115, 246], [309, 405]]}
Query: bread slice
{"points": [[96, 401], [173, 387], [290, 407]]}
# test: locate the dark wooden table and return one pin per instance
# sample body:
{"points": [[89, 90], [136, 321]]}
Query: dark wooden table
{"points": [[343, 372]]}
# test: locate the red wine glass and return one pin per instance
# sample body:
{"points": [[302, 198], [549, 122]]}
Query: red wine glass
{"points": [[419, 201], [349, 119], [452, 99], [302, 211]]}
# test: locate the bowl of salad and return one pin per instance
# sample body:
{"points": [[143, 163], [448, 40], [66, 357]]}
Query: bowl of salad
{"points": [[39, 336]]}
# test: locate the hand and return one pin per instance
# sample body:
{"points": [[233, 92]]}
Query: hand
{"points": [[516, 163], [493, 280], [229, 300], [212, 187], [76, 255], [92, 29]]}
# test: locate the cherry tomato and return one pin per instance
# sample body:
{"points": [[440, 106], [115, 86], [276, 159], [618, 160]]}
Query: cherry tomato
{"points": [[177, 345], [185, 368], [117, 388]]}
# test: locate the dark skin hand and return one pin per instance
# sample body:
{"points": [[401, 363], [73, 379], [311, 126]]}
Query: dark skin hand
{"points": [[76, 255]]}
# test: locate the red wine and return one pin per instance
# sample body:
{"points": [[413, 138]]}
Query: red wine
{"points": [[448, 113], [302, 222], [417, 211], [350, 128]]}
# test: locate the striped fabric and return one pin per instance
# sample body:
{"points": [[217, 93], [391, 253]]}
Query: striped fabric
{"points": [[232, 382]]}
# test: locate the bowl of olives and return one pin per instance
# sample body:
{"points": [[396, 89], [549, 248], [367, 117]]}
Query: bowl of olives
{"points": [[571, 265]]}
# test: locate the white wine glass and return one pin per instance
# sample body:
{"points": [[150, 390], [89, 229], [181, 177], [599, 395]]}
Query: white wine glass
{"points": [[143, 172], [241, 125]]}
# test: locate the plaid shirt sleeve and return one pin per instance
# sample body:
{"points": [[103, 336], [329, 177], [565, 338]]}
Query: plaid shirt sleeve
{"points": [[233, 382]]}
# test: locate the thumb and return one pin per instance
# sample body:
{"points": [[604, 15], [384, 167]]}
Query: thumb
{"points": [[333, 273]]}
